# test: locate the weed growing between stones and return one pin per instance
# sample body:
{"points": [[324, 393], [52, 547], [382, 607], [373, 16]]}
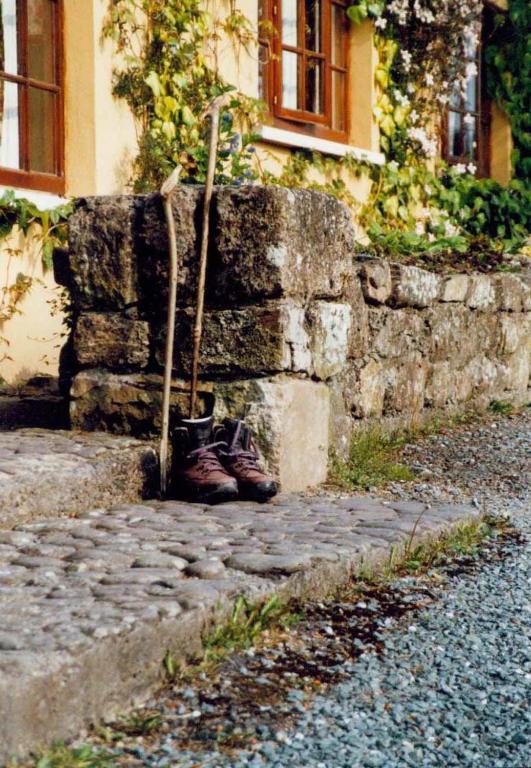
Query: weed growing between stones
{"points": [[371, 461], [500, 406]]}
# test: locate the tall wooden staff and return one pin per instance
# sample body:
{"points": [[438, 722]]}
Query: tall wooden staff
{"points": [[166, 192], [212, 112]]}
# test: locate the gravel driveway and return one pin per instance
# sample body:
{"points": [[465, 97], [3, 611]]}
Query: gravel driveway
{"points": [[449, 685]]}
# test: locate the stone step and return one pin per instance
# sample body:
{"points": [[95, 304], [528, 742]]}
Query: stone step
{"points": [[45, 412], [91, 605], [55, 472]]}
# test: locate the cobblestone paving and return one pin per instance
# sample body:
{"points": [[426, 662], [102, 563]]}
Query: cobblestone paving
{"points": [[68, 586], [66, 581], [44, 472]]}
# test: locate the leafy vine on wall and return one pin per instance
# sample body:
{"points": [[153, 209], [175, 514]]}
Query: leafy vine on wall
{"points": [[43, 229]]}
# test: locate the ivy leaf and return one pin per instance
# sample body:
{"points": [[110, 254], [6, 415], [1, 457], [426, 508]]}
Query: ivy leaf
{"points": [[153, 82], [357, 13]]}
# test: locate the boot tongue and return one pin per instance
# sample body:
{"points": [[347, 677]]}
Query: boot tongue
{"points": [[199, 431], [238, 432]]}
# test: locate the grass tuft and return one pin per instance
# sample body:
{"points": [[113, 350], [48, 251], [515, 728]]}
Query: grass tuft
{"points": [[61, 756], [371, 461], [247, 623], [500, 406]]}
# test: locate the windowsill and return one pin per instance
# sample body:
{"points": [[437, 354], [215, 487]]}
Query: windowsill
{"points": [[43, 200], [272, 135]]}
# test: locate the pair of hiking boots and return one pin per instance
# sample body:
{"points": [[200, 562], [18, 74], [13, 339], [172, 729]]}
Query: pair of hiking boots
{"points": [[216, 464]]}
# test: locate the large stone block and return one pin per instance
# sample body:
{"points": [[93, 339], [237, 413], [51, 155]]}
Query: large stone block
{"points": [[441, 385], [358, 344], [510, 292], [290, 419], [330, 326], [103, 247], [252, 340], [110, 340], [405, 386], [449, 333], [272, 241], [396, 332], [270, 338], [455, 288], [414, 287], [364, 387], [515, 371], [481, 293], [128, 404], [153, 267], [376, 281], [514, 331]]}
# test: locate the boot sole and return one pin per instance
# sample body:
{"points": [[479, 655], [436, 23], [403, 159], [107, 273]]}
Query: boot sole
{"points": [[216, 496], [251, 493]]}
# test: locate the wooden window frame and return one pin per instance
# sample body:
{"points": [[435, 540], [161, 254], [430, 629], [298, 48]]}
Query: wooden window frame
{"points": [[481, 116], [302, 121], [24, 177]]}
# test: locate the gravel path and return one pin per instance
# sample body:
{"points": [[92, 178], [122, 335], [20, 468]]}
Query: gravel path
{"points": [[447, 685]]}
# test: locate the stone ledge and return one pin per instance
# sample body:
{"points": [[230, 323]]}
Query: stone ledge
{"points": [[84, 631], [47, 472]]}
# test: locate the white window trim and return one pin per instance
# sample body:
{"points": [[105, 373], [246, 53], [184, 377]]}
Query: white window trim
{"points": [[44, 200], [272, 135]]}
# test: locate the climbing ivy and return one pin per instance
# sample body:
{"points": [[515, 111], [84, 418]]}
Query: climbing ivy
{"points": [[170, 51], [44, 229], [508, 75]]}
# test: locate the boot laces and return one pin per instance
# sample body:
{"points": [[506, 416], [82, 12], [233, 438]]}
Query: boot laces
{"points": [[246, 457], [206, 458]]}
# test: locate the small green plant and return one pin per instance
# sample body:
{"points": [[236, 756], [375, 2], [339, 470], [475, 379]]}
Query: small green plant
{"points": [[247, 623], [500, 406], [61, 756], [371, 461]]}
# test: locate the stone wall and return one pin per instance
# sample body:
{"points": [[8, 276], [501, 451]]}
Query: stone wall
{"points": [[300, 330]]}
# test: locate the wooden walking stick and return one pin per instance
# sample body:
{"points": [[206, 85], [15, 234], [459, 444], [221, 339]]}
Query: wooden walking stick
{"points": [[166, 192], [213, 112]]}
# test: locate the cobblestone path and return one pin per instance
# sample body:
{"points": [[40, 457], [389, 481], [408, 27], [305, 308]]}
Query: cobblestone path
{"points": [[91, 603]]}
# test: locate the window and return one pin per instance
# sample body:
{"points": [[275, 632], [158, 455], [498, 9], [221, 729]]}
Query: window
{"points": [[467, 119], [304, 65], [31, 134]]}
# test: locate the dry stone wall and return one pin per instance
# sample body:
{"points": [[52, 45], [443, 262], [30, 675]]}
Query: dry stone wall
{"points": [[309, 336]]}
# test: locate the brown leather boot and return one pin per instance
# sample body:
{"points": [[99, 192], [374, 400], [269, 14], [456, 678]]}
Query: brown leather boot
{"points": [[197, 473], [240, 458]]}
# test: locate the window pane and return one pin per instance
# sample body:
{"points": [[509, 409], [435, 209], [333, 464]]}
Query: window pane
{"points": [[338, 101], [470, 137], [454, 134], [290, 79], [314, 96], [289, 22], [471, 94], [9, 137], [8, 37], [41, 118], [263, 58], [312, 26], [338, 36], [455, 95], [41, 62]]}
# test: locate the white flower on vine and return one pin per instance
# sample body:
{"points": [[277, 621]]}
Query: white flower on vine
{"points": [[450, 229], [410, 88], [468, 119], [406, 59], [400, 97], [471, 69], [460, 168], [429, 79], [442, 98], [472, 168], [380, 23], [393, 166], [414, 116], [420, 228], [427, 144]]}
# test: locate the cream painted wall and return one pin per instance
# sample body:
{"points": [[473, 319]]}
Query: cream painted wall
{"points": [[30, 341], [100, 135]]}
